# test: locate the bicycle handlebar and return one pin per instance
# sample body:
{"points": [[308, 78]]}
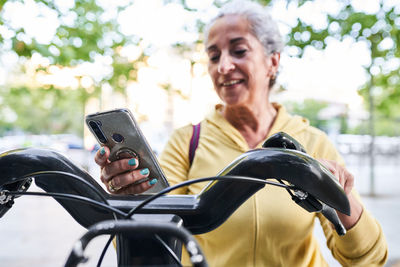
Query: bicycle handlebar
{"points": [[311, 186], [201, 213]]}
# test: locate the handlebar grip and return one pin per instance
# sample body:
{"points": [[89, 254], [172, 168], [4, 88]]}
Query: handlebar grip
{"points": [[332, 216]]}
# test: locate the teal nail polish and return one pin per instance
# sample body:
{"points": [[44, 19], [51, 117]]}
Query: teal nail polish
{"points": [[132, 162], [144, 171], [154, 181], [102, 151]]}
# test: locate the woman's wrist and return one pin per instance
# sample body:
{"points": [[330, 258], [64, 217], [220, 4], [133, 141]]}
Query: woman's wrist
{"points": [[356, 210]]}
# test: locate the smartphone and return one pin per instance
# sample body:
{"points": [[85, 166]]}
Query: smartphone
{"points": [[118, 130]]}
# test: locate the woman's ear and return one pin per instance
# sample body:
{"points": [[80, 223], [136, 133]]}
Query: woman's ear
{"points": [[274, 60]]}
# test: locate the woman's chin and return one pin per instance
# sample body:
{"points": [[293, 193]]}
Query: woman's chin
{"points": [[234, 101]]}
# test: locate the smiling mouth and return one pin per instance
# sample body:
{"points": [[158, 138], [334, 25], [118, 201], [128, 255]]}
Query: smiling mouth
{"points": [[231, 83]]}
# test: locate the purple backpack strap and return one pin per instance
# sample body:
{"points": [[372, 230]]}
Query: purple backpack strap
{"points": [[194, 142]]}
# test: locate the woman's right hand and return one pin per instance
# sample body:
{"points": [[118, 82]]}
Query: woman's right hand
{"points": [[119, 176]]}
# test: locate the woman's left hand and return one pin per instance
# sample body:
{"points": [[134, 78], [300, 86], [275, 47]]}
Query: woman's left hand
{"points": [[346, 179]]}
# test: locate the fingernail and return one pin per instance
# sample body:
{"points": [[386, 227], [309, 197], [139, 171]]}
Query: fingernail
{"points": [[132, 162], [102, 151], [144, 171], [154, 181]]}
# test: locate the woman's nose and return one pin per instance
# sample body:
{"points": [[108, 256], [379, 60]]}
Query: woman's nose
{"points": [[225, 64]]}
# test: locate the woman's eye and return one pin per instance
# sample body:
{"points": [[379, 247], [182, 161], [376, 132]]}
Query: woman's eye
{"points": [[240, 52], [214, 58]]}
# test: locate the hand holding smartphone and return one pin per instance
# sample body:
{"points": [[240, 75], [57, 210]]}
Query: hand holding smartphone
{"points": [[118, 130]]}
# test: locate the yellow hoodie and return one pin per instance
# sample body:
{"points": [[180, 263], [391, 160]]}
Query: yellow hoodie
{"points": [[269, 229]]}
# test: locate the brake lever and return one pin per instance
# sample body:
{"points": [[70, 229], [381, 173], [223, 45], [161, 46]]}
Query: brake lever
{"points": [[302, 198], [6, 202], [332, 216], [311, 204]]}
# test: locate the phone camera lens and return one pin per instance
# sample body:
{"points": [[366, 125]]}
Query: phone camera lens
{"points": [[118, 138], [97, 131]]}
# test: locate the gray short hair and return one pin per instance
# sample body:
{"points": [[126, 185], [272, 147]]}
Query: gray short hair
{"points": [[262, 26]]}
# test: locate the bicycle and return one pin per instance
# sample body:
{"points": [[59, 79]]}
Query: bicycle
{"points": [[165, 222]]}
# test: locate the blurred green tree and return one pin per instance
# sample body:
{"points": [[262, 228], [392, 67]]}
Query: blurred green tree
{"points": [[379, 31], [309, 109], [84, 35]]}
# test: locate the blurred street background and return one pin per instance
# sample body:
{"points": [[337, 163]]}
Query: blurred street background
{"points": [[63, 59]]}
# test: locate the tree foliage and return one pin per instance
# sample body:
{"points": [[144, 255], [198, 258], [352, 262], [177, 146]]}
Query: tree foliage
{"points": [[309, 109], [37, 110], [84, 36], [379, 31]]}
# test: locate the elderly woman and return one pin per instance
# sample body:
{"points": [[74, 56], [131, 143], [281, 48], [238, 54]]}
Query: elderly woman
{"points": [[243, 45]]}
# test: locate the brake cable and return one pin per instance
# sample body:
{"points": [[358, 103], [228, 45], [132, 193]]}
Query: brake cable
{"points": [[67, 174], [69, 197]]}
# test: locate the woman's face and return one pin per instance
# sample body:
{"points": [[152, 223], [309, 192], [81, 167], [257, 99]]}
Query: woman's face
{"points": [[238, 66]]}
